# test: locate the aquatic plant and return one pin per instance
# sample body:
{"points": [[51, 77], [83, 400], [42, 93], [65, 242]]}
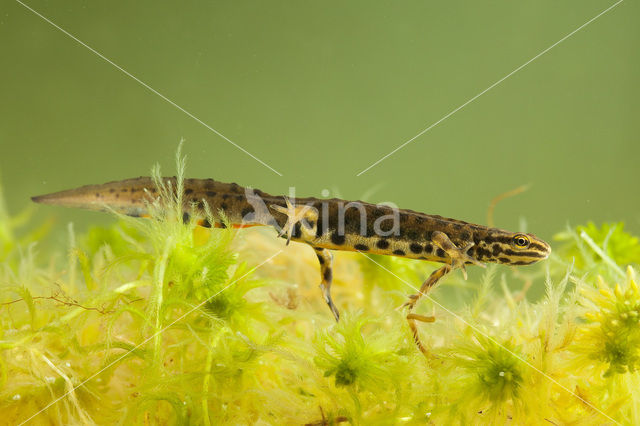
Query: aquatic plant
{"points": [[156, 321]]}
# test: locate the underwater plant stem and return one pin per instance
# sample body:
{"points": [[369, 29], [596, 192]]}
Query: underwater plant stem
{"points": [[601, 253], [69, 384], [356, 404], [213, 342], [158, 299]]}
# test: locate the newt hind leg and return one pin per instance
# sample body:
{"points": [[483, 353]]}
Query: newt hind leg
{"points": [[326, 271]]}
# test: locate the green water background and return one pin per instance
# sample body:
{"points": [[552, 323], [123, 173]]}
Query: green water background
{"points": [[321, 90]]}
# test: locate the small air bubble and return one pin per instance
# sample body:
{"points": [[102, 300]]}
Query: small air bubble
{"points": [[501, 374], [16, 397], [324, 192], [68, 364], [49, 379]]}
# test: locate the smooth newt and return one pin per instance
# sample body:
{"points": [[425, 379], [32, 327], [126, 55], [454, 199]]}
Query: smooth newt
{"points": [[324, 224]]}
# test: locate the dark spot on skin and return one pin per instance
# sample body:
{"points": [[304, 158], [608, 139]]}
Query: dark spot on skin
{"points": [[211, 193], [428, 248], [221, 225], [465, 235], [239, 197], [440, 252], [185, 217], [328, 274], [537, 246], [321, 259], [297, 230], [235, 187], [382, 244], [318, 248], [505, 240], [205, 223], [482, 253], [399, 252], [194, 200], [413, 235], [497, 249], [246, 211], [415, 248], [337, 239], [154, 190], [98, 195], [503, 260], [312, 223], [521, 262], [112, 190], [488, 239], [223, 206], [419, 219], [188, 191], [362, 247], [457, 226], [225, 196], [117, 195], [422, 257]]}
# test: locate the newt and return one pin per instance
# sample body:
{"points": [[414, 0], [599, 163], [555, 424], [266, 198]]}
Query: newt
{"points": [[324, 224]]}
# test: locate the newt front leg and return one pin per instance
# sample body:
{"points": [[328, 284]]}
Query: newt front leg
{"points": [[426, 286], [458, 257]]}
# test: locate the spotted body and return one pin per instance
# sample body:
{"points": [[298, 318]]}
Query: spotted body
{"points": [[325, 224]]}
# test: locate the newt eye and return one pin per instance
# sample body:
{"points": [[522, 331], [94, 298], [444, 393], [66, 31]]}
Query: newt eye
{"points": [[521, 241]]}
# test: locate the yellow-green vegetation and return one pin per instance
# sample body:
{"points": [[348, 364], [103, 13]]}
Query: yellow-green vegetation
{"points": [[152, 321]]}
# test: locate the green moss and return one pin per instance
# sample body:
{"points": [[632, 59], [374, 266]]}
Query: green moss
{"points": [[589, 245], [366, 361]]}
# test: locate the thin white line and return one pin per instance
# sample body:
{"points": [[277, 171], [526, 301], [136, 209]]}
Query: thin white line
{"points": [[148, 338], [492, 86], [492, 339], [145, 85]]}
